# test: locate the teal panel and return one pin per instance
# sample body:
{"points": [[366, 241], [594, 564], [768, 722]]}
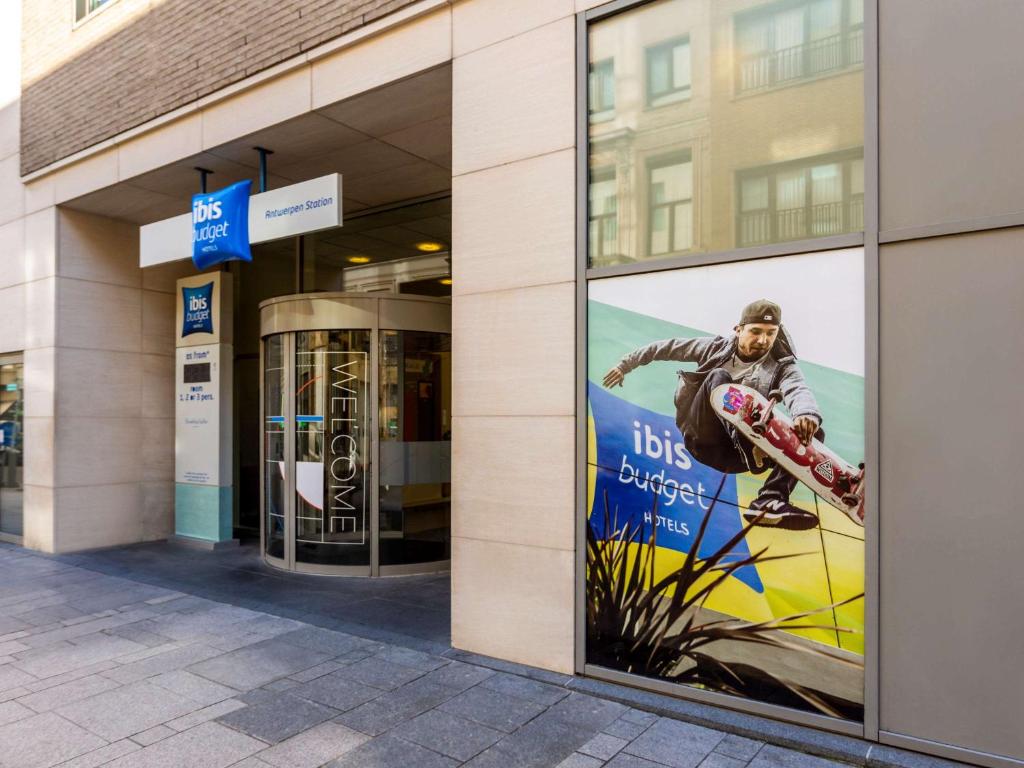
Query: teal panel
{"points": [[203, 511]]}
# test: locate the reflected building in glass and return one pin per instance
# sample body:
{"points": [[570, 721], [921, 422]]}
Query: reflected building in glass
{"points": [[723, 125]]}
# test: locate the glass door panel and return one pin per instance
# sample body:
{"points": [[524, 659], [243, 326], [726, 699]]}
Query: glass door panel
{"points": [[274, 423], [332, 447], [12, 404], [415, 447]]}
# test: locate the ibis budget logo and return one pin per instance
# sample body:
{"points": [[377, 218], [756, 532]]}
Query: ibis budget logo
{"points": [[220, 226], [198, 310]]}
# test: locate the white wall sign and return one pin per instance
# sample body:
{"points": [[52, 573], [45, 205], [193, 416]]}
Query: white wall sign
{"points": [[197, 410], [298, 209]]}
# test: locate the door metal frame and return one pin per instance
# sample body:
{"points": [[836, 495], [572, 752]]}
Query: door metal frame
{"points": [[289, 315]]}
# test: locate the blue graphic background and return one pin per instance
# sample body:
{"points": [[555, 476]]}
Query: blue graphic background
{"points": [[614, 424]]}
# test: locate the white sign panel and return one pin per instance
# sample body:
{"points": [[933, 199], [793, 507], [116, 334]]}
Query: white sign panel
{"points": [[298, 209], [197, 412]]}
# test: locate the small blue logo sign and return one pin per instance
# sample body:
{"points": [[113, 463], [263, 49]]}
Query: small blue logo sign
{"points": [[220, 226], [198, 306]]}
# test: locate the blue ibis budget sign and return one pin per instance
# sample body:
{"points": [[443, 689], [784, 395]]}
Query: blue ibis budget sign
{"points": [[197, 306], [220, 226]]}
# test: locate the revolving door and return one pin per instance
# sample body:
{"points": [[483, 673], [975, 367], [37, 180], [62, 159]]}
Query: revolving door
{"points": [[356, 454]]}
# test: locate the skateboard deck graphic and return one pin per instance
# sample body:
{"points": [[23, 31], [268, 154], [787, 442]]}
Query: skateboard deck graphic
{"points": [[822, 470]]}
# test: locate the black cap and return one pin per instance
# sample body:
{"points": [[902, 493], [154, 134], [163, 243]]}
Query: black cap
{"points": [[762, 311]]}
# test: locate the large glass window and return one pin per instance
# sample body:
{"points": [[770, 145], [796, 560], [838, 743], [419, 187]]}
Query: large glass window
{"points": [[809, 198], [12, 405], [694, 104], [668, 72], [671, 205], [602, 90], [85, 8], [784, 42]]}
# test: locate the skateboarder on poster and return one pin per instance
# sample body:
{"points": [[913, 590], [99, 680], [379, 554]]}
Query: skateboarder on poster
{"points": [[759, 355]]}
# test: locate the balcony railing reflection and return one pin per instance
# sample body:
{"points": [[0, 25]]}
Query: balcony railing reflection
{"points": [[766, 226], [771, 68]]}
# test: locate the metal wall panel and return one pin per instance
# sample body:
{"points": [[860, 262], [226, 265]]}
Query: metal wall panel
{"points": [[952, 103], [952, 361]]}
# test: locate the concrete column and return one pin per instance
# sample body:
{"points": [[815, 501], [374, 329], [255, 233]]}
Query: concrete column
{"points": [[513, 307]]}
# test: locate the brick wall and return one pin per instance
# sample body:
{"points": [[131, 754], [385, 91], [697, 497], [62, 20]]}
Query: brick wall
{"points": [[138, 59]]}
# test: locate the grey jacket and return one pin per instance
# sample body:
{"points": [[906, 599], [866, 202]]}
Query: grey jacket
{"points": [[779, 371]]}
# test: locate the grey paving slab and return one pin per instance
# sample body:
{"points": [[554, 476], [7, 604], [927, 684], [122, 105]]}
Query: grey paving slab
{"points": [[624, 760], [312, 748], [448, 734], [200, 690], [603, 746], [284, 684], [153, 735], [458, 675], [625, 729], [305, 675], [209, 745], [68, 693], [277, 716], [493, 708], [380, 673], [323, 640], [258, 664], [577, 760], [675, 744], [56, 660], [718, 760], [390, 752], [739, 747], [587, 711], [415, 698], [10, 711], [543, 742], [212, 712], [76, 674], [373, 718], [103, 755], [337, 691], [524, 688], [407, 657], [126, 710], [771, 756], [13, 677], [44, 740]]}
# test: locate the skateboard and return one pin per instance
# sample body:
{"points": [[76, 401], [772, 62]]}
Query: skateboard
{"points": [[822, 470]]}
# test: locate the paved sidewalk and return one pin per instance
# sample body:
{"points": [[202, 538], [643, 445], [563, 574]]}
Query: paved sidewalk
{"points": [[98, 669]]}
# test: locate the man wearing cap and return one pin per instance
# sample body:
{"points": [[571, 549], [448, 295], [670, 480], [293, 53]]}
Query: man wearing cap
{"points": [[759, 355]]}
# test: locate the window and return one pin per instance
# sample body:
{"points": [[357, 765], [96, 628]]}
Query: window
{"points": [[678, 164], [668, 72], [604, 217], [12, 449], [85, 8], [670, 206], [602, 90], [816, 197], [788, 42]]}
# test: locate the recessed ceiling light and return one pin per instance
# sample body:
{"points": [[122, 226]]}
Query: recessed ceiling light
{"points": [[358, 259], [445, 281], [429, 247]]}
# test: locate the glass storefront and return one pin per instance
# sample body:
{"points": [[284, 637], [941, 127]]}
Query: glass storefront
{"points": [[12, 405], [724, 485], [356, 435], [716, 126]]}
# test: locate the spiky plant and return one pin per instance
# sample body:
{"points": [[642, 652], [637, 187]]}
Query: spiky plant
{"points": [[651, 627]]}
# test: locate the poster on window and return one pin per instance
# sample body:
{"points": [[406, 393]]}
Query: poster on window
{"points": [[725, 544]]}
